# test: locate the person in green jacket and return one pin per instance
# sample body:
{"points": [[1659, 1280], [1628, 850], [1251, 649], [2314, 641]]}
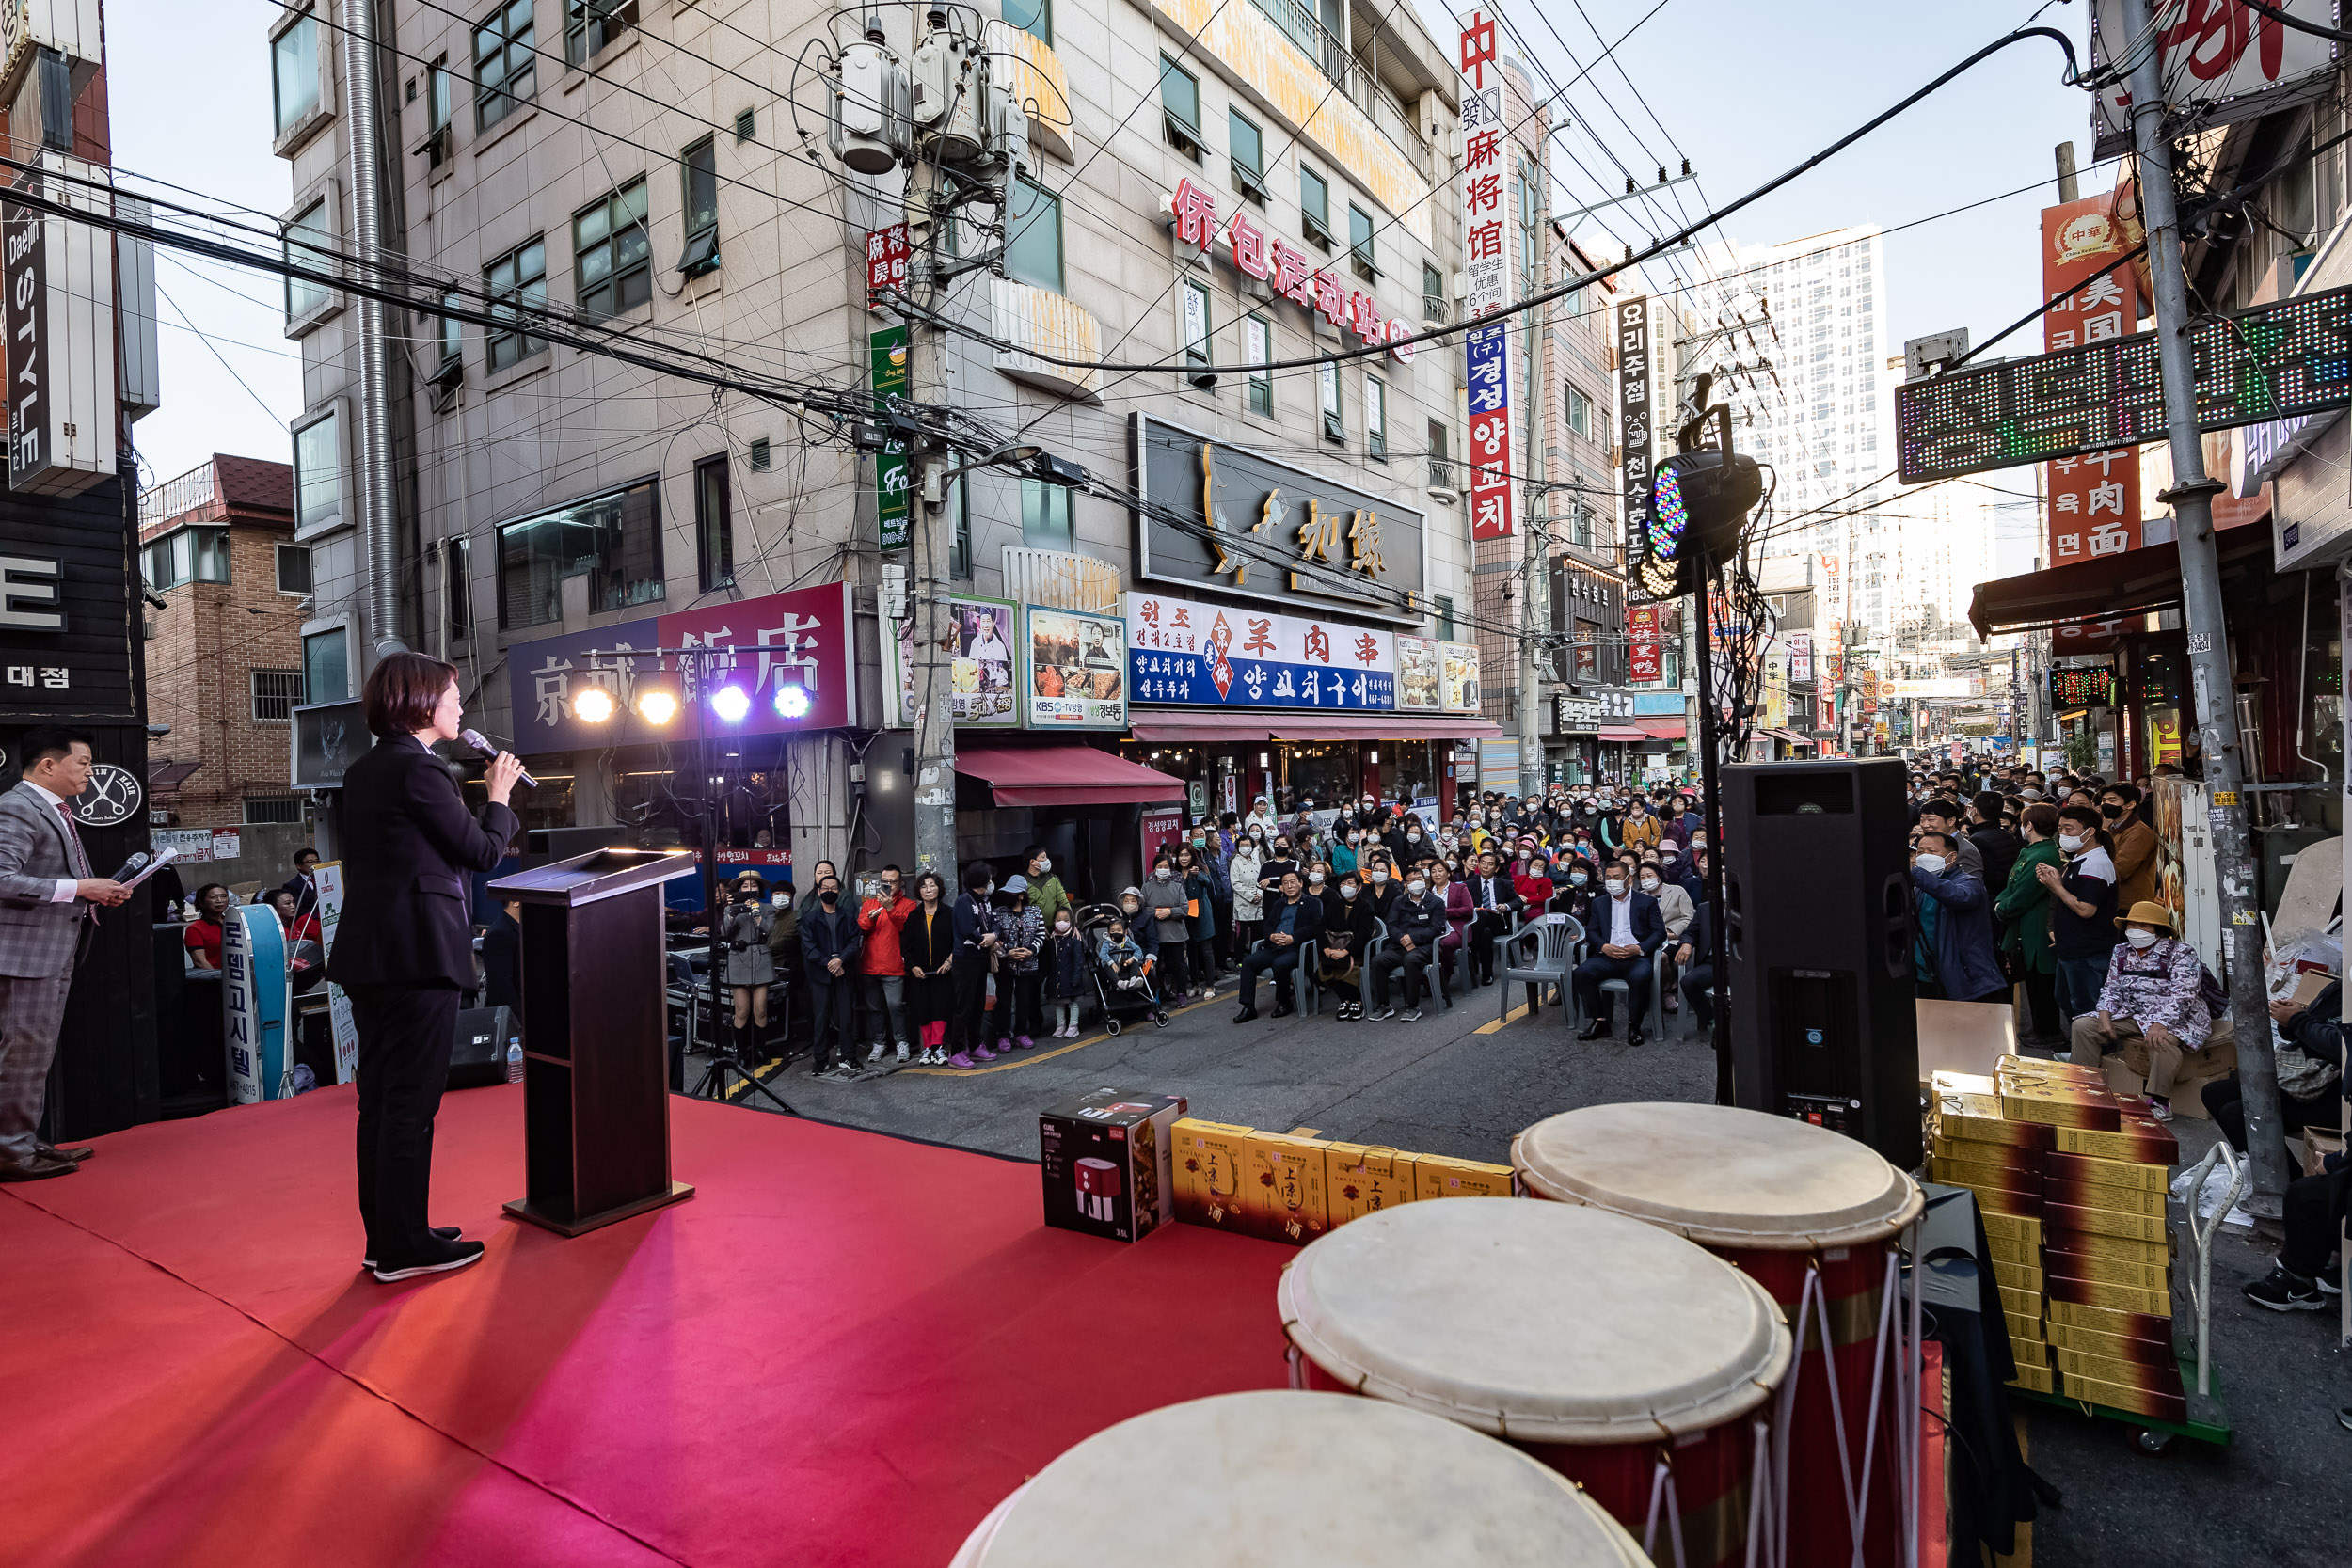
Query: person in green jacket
{"points": [[1046, 894], [2024, 906]]}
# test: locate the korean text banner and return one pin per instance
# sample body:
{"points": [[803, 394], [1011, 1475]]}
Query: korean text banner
{"points": [[1073, 667], [977, 649], [802, 638], [1212, 656]]}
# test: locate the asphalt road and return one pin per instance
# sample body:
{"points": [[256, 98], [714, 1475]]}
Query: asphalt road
{"points": [[1454, 1082]]}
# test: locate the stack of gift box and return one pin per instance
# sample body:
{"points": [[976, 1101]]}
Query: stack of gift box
{"points": [[1285, 1187], [2070, 1178]]}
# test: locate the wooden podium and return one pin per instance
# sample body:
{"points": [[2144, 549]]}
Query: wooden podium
{"points": [[596, 1062]]}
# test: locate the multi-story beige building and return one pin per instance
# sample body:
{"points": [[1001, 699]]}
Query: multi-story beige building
{"points": [[228, 588], [661, 174]]}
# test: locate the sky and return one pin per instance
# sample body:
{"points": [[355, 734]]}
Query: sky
{"points": [[1745, 91], [189, 88]]}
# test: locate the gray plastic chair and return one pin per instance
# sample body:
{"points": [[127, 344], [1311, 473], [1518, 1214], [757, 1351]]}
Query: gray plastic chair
{"points": [[1625, 988], [1548, 942]]}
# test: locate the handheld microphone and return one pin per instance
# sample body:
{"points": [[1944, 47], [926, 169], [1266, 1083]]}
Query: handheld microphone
{"points": [[131, 866], [474, 739]]}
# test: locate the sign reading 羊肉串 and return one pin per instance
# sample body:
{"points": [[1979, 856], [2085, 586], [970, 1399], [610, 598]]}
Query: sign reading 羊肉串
{"points": [[1216, 655]]}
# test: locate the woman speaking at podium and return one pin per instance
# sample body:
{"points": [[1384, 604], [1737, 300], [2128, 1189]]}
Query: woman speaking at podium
{"points": [[404, 947]]}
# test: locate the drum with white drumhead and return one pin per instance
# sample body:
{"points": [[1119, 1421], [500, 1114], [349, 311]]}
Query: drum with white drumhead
{"points": [[1629, 1359], [1306, 1480], [1814, 1217]]}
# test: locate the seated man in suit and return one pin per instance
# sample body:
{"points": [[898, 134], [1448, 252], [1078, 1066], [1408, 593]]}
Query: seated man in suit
{"points": [[1626, 931], [1498, 904], [1289, 936]]}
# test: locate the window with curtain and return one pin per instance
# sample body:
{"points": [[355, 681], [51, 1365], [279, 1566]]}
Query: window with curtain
{"points": [[1375, 418], [613, 540]]}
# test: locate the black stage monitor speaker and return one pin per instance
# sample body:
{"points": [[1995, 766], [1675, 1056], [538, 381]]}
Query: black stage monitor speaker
{"points": [[478, 1057], [1816, 890]]}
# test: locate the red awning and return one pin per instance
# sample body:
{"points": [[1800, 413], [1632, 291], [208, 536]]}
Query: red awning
{"points": [[1064, 776], [2110, 588], [1461, 726], [1623, 736], [1199, 726], [1661, 727]]}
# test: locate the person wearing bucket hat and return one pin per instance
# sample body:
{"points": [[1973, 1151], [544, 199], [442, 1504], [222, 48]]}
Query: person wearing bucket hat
{"points": [[2154, 1006]]}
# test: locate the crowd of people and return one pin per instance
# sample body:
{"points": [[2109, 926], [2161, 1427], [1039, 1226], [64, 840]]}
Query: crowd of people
{"points": [[1375, 903]]}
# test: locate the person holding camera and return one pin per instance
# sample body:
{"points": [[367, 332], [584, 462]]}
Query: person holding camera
{"points": [[750, 970]]}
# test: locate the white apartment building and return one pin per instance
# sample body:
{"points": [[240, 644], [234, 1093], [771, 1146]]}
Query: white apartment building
{"points": [[660, 172]]}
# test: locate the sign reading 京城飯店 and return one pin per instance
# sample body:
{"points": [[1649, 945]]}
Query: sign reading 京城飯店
{"points": [[801, 637], [1486, 265], [1275, 260], [1217, 656]]}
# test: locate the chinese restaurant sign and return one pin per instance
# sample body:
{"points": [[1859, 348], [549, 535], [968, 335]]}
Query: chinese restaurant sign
{"points": [[1216, 655], [2094, 501], [1229, 518], [1486, 264], [1276, 262], [2269, 362], [801, 637]]}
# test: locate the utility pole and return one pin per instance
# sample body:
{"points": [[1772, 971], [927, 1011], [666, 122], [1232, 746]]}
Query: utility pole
{"points": [[1532, 582], [2211, 678], [926, 606]]}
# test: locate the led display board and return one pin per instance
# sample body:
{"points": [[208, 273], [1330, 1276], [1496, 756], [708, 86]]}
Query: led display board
{"points": [[2270, 362]]}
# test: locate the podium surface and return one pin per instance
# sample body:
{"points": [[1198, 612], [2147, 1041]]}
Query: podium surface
{"points": [[596, 1060]]}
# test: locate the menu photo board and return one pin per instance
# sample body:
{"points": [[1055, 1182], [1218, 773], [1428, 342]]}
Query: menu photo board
{"points": [[1074, 668], [1419, 675], [977, 649], [1460, 660]]}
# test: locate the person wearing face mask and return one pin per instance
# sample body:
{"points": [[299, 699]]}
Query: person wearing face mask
{"points": [[2024, 910], [1417, 923], [1459, 911], [1344, 847], [1340, 949], [1064, 966], [1246, 872], [2082, 911], [1641, 830], [2151, 1006], [1048, 895], [750, 970], [1531, 878], [1675, 909], [1953, 915], [1283, 861], [1290, 933], [1371, 816], [1144, 931], [1168, 905], [1020, 937], [1939, 816], [1406, 842], [882, 967], [975, 956], [1383, 886], [830, 939], [1200, 881], [1627, 930], [1260, 818], [2132, 845], [1996, 847]]}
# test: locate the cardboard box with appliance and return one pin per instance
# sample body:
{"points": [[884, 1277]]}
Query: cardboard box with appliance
{"points": [[1106, 1158], [1291, 1188], [2070, 1178]]}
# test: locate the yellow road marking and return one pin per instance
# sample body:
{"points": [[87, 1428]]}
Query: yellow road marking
{"points": [[762, 1072], [1512, 1017], [1032, 1058]]}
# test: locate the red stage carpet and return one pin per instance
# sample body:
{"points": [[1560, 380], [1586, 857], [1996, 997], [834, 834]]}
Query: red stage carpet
{"points": [[845, 1349]]}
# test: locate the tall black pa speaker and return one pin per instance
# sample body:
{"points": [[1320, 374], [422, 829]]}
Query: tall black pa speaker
{"points": [[1816, 890]]}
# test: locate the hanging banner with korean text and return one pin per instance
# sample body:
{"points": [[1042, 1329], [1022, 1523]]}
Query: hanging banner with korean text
{"points": [[341, 1025], [890, 359], [2094, 500], [1486, 265], [1636, 429], [801, 637], [1214, 655]]}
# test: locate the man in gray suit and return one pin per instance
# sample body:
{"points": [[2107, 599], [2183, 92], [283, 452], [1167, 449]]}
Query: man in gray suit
{"points": [[48, 900]]}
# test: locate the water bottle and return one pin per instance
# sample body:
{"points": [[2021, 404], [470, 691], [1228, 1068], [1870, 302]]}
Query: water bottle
{"points": [[514, 1058]]}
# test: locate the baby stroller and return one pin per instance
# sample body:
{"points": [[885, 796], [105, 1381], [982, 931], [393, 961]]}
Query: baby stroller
{"points": [[1120, 1006]]}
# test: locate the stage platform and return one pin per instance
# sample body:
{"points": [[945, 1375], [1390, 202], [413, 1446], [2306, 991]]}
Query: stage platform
{"points": [[844, 1349]]}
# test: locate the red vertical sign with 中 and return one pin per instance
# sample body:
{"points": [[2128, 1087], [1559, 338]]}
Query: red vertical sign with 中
{"points": [[2094, 500]]}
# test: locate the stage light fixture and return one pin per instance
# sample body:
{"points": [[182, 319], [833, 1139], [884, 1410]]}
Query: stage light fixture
{"points": [[1698, 501], [657, 699], [731, 703], [791, 699], [593, 704]]}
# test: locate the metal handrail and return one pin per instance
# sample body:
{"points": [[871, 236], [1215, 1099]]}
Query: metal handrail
{"points": [[2201, 1284]]}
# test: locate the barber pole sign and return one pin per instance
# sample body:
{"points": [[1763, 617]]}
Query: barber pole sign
{"points": [[1486, 265]]}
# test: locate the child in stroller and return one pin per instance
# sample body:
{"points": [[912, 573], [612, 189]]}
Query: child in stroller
{"points": [[1122, 970]]}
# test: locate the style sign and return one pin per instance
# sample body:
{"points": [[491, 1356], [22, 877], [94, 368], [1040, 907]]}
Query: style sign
{"points": [[892, 501], [1074, 669], [1210, 656], [975, 651], [1277, 263]]}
